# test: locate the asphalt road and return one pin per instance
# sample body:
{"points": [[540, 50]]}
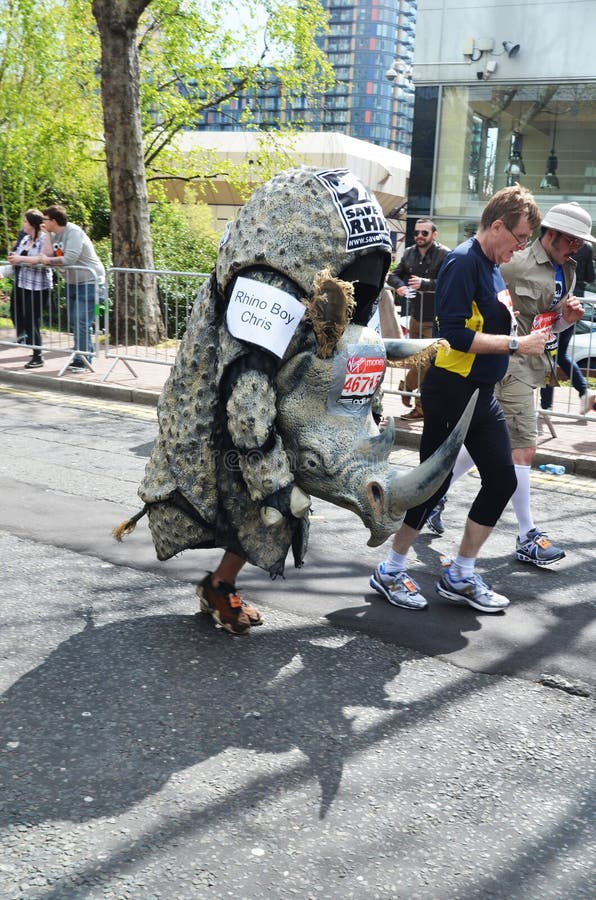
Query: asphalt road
{"points": [[69, 471], [347, 749]]}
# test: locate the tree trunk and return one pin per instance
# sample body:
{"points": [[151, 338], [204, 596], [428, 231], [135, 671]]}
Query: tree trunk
{"points": [[139, 319]]}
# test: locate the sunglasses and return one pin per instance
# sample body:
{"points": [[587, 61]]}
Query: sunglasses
{"points": [[572, 241], [423, 233]]}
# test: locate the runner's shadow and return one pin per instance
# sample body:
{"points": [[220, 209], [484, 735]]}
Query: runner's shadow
{"points": [[117, 709], [445, 625]]}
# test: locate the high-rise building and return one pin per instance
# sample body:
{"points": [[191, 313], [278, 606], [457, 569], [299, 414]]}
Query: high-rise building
{"points": [[370, 46]]}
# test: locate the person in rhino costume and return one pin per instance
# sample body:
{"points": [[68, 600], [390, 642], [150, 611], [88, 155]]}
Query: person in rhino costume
{"points": [[219, 474]]}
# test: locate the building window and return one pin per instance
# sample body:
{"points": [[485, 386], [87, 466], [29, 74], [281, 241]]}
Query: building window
{"points": [[476, 128], [482, 157]]}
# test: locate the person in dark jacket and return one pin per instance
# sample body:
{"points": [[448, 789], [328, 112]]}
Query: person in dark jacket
{"points": [[415, 277], [475, 316]]}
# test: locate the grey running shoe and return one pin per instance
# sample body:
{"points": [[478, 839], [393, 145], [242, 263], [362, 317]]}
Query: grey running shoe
{"points": [[472, 591], [398, 588], [536, 548], [434, 521]]}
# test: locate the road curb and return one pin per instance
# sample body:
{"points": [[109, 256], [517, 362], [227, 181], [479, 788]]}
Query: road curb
{"points": [[574, 465], [81, 388], [584, 466]]}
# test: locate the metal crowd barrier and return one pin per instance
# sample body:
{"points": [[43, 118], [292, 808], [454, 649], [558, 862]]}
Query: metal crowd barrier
{"points": [[130, 326], [582, 349], [57, 329], [123, 325], [395, 377]]}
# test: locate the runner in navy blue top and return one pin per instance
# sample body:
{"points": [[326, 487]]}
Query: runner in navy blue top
{"points": [[475, 315]]}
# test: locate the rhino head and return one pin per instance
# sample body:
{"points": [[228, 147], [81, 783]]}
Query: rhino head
{"points": [[337, 451]]}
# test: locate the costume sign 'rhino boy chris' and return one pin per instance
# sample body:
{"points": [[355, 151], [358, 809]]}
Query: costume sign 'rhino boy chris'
{"points": [[270, 395]]}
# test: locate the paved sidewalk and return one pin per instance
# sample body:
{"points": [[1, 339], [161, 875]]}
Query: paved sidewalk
{"points": [[573, 443]]}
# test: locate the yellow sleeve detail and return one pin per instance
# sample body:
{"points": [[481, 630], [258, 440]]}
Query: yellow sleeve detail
{"points": [[459, 361]]}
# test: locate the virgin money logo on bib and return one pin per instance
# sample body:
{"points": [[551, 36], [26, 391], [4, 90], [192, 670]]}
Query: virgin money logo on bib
{"points": [[359, 211], [545, 321], [358, 373]]}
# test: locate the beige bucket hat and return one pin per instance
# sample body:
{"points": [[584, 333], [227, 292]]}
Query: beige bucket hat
{"points": [[571, 219]]}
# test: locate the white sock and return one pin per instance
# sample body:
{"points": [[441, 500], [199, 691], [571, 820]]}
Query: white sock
{"points": [[521, 501], [463, 566], [395, 562], [463, 464]]}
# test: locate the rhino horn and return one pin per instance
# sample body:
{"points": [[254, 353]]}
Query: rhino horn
{"points": [[409, 489], [400, 349], [378, 446]]}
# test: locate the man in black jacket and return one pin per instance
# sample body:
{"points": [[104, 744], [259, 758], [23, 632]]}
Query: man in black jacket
{"points": [[415, 277]]}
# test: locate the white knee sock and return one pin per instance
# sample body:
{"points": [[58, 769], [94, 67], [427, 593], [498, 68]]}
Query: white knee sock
{"points": [[521, 500], [463, 464]]}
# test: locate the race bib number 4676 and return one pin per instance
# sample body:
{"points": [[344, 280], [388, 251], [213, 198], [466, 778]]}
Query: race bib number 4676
{"points": [[356, 379]]}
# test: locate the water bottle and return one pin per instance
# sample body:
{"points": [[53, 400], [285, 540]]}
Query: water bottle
{"points": [[552, 469]]}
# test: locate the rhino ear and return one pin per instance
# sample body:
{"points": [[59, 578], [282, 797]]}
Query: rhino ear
{"points": [[403, 351], [329, 310]]}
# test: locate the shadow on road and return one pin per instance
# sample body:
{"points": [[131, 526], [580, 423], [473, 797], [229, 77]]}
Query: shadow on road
{"points": [[115, 710]]}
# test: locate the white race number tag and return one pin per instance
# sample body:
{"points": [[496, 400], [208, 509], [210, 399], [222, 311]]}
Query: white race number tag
{"points": [[264, 315], [358, 373], [374, 323]]}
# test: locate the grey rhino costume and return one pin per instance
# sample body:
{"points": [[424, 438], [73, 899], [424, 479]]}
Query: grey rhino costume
{"points": [[223, 472]]}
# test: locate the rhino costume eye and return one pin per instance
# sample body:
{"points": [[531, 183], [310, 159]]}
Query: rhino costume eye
{"points": [[312, 461]]}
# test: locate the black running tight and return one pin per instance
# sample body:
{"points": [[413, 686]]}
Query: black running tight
{"points": [[444, 398]]}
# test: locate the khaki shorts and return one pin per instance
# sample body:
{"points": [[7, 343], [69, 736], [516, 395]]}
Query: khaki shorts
{"points": [[517, 401]]}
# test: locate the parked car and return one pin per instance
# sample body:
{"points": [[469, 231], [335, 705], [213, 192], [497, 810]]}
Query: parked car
{"points": [[582, 349], [587, 322]]}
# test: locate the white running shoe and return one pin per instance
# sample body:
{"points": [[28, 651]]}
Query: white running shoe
{"points": [[473, 591], [398, 588]]}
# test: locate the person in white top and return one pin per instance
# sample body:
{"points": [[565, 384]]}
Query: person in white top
{"points": [[70, 250]]}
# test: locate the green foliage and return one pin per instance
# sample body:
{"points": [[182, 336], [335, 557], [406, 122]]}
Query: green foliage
{"points": [[50, 113], [219, 50], [88, 206], [103, 248], [183, 241], [183, 237], [194, 54]]}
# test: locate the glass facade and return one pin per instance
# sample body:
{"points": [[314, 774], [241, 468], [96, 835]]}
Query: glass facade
{"points": [[490, 135]]}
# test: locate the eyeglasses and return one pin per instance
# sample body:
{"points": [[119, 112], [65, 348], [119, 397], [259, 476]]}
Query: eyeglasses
{"points": [[572, 241], [423, 233], [521, 242]]}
